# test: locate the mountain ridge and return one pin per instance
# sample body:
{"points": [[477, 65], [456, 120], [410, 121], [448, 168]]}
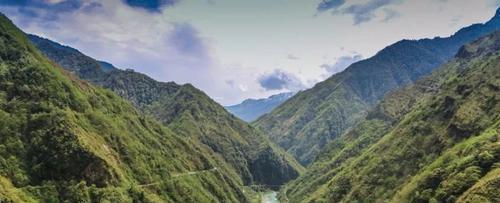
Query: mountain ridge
{"points": [[64, 140], [312, 118], [230, 139], [435, 140], [251, 109]]}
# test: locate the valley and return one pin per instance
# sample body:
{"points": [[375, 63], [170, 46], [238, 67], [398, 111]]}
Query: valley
{"points": [[419, 121]]}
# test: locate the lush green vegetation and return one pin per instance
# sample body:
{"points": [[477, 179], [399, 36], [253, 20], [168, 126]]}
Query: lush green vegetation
{"points": [[308, 121], [238, 147], [434, 141], [191, 113], [64, 140], [138, 88]]}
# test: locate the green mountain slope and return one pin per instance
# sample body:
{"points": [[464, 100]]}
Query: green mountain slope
{"points": [[434, 141], [191, 113], [312, 118], [84, 66], [188, 112], [138, 88], [63, 140]]}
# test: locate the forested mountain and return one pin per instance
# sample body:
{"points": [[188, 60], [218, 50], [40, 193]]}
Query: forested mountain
{"points": [[64, 140], [435, 141], [417, 122], [188, 112], [251, 109], [71, 58], [138, 88], [308, 121]]}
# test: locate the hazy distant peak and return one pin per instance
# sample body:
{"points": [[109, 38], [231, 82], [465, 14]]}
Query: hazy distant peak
{"points": [[251, 109]]}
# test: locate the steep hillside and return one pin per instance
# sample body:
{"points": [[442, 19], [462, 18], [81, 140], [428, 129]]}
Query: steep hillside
{"points": [[434, 141], [64, 140], [251, 109], [75, 61], [190, 113], [138, 88], [308, 121]]}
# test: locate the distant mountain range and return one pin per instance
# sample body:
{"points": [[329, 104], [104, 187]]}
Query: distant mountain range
{"points": [[251, 109], [311, 119]]}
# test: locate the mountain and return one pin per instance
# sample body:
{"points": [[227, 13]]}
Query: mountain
{"points": [[308, 121], [189, 112], [435, 141], [65, 140], [76, 63], [251, 109], [193, 114]]}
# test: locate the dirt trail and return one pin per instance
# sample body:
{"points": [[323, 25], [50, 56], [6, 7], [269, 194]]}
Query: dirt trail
{"points": [[181, 175]]}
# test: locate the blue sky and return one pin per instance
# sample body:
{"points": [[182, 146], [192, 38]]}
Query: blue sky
{"points": [[237, 49]]}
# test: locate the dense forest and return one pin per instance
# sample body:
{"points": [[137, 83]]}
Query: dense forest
{"points": [[436, 140], [305, 123], [417, 122], [64, 139]]}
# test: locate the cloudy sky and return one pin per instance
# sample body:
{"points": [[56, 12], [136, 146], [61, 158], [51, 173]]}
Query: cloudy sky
{"points": [[237, 49]]}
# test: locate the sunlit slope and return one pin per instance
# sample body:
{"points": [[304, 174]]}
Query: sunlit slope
{"points": [[191, 113], [307, 122], [64, 140], [437, 140]]}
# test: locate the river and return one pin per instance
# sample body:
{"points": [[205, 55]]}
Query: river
{"points": [[270, 197]]}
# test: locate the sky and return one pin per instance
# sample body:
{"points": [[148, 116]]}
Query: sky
{"points": [[239, 49]]}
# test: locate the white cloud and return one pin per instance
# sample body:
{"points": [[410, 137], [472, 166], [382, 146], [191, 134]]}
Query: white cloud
{"points": [[127, 37], [292, 57], [208, 44], [53, 1], [341, 63], [361, 12], [280, 80]]}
